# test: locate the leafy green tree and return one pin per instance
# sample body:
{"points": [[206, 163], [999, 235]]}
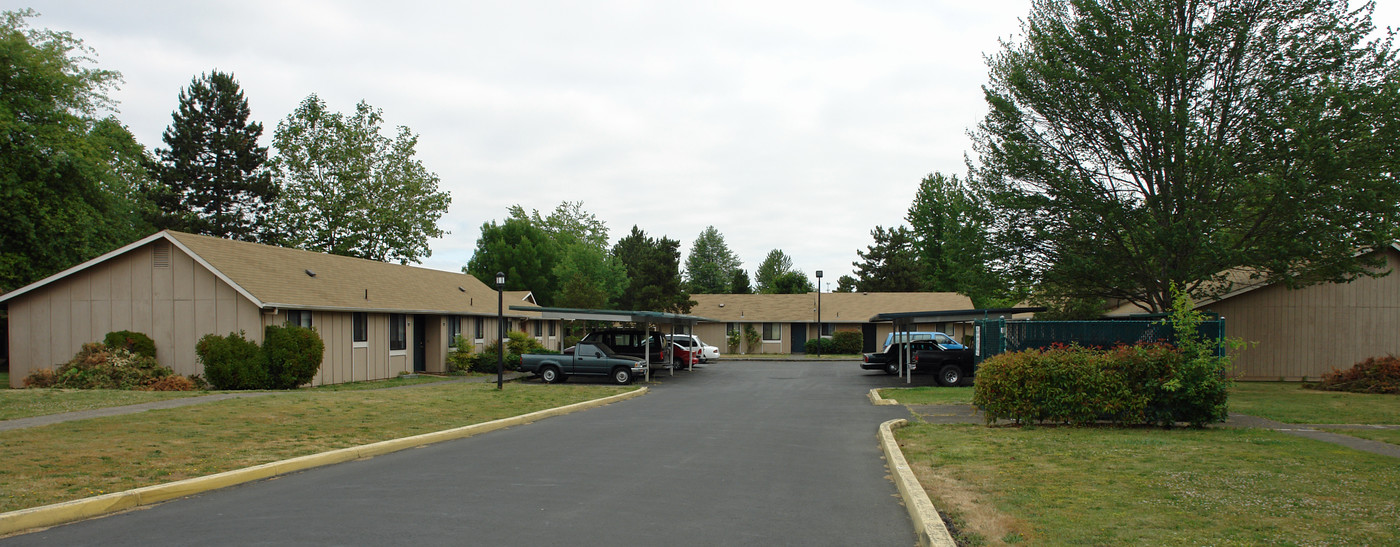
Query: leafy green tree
{"points": [[521, 250], [66, 175], [349, 190], [653, 273], [568, 223], [588, 278], [711, 265], [890, 264], [951, 228], [1136, 144], [775, 264], [794, 282], [739, 282], [213, 179], [846, 283]]}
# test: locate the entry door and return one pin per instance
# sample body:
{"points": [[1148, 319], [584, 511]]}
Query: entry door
{"points": [[867, 332], [799, 337], [420, 343]]}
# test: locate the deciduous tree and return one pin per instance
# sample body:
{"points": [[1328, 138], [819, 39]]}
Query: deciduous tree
{"points": [[349, 190], [775, 264], [1136, 144], [522, 251]]}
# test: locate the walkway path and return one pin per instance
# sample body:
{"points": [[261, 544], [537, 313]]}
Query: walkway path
{"points": [[966, 414], [36, 421]]}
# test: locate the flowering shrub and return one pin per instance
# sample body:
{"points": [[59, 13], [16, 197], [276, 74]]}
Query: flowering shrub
{"points": [[98, 366], [1374, 375]]}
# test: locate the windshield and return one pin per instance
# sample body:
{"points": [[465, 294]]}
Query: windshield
{"points": [[944, 339], [605, 349]]}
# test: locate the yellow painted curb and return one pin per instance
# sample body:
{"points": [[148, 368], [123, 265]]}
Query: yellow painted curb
{"points": [[927, 524], [75, 510], [877, 400]]}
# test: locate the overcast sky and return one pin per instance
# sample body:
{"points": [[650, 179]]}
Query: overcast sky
{"points": [[790, 125]]}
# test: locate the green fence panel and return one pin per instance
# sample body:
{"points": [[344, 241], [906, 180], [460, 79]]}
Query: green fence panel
{"points": [[995, 336]]}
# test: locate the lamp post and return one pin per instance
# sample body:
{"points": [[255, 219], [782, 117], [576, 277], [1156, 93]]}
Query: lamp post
{"points": [[500, 330], [819, 313]]}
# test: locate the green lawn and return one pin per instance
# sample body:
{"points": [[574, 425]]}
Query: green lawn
{"points": [[1391, 436], [73, 460], [929, 395], [24, 403], [1289, 403], [1108, 486]]}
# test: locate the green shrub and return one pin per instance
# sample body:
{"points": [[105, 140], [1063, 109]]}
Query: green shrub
{"points": [[1143, 384], [1374, 375], [98, 366], [818, 345], [517, 344], [848, 342], [460, 358], [733, 339], [133, 342], [753, 339], [232, 362], [292, 355]]}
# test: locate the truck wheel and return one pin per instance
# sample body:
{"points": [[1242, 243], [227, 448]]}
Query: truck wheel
{"points": [[891, 368], [550, 375], [950, 375], [622, 375]]}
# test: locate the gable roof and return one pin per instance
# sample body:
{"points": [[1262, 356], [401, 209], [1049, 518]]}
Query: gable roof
{"points": [[277, 277], [836, 307]]}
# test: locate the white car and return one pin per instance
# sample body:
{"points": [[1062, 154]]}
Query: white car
{"points": [[707, 351]]}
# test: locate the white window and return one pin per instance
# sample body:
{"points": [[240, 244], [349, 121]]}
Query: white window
{"points": [[772, 332], [454, 330], [398, 332], [300, 318]]}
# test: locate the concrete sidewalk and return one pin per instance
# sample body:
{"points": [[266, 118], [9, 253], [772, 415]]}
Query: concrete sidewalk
{"points": [[966, 414], [37, 421]]}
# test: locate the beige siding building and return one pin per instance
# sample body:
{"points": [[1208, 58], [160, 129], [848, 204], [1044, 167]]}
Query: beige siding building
{"points": [[1299, 335], [376, 319], [786, 321]]}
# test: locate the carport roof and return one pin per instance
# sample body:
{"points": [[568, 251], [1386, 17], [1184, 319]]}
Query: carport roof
{"points": [[950, 315], [612, 315]]}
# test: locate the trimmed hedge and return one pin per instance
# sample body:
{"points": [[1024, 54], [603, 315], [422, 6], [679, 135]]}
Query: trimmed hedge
{"points": [[1127, 385], [292, 355], [289, 357], [1374, 375], [848, 342]]}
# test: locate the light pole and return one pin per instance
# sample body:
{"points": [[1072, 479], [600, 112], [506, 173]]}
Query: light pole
{"points": [[500, 330], [819, 313]]}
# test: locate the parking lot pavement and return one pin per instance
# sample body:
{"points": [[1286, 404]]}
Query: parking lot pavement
{"points": [[735, 453]]}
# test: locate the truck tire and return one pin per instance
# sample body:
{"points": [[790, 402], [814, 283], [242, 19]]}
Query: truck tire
{"points": [[622, 375], [550, 375], [950, 375], [891, 368]]}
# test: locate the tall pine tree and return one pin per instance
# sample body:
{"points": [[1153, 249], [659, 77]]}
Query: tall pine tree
{"points": [[889, 265], [212, 179]]}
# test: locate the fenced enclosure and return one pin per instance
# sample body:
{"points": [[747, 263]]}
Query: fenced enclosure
{"points": [[996, 336]]}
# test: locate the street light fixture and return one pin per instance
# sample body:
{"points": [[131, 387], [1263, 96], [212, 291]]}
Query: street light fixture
{"points": [[500, 330], [819, 313]]}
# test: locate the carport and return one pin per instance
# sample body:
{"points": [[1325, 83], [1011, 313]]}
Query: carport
{"points": [[644, 318], [904, 322]]}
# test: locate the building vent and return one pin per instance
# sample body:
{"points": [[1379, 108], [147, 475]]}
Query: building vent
{"points": [[162, 254]]}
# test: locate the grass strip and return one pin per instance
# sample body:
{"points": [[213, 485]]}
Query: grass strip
{"points": [[74, 460], [25, 403], [1111, 486], [1288, 402], [929, 395], [1391, 436]]}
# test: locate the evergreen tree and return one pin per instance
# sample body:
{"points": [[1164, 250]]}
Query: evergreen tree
{"points": [[711, 265], [846, 283], [739, 283], [890, 264], [774, 265], [212, 179], [794, 282], [522, 251], [653, 273]]}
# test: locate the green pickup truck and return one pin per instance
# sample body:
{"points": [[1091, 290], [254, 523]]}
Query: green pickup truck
{"points": [[587, 359]]}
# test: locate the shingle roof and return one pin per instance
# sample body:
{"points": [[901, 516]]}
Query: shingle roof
{"points": [[277, 277], [836, 307]]}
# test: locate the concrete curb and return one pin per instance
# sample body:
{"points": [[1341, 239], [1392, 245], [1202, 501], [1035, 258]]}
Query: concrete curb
{"points": [[71, 511], [927, 524], [877, 400]]}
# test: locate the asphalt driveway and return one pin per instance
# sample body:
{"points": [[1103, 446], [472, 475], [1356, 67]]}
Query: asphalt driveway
{"points": [[736, 453]]}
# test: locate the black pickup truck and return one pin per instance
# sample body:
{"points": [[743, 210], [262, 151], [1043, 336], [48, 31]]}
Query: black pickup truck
{"points": [[952, 365]]}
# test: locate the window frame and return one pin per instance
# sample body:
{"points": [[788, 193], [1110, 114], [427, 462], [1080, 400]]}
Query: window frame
{"points": [[294, 317], [454, 329], [359, 329], [480, 328], [398, 334], [776, 331]]}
